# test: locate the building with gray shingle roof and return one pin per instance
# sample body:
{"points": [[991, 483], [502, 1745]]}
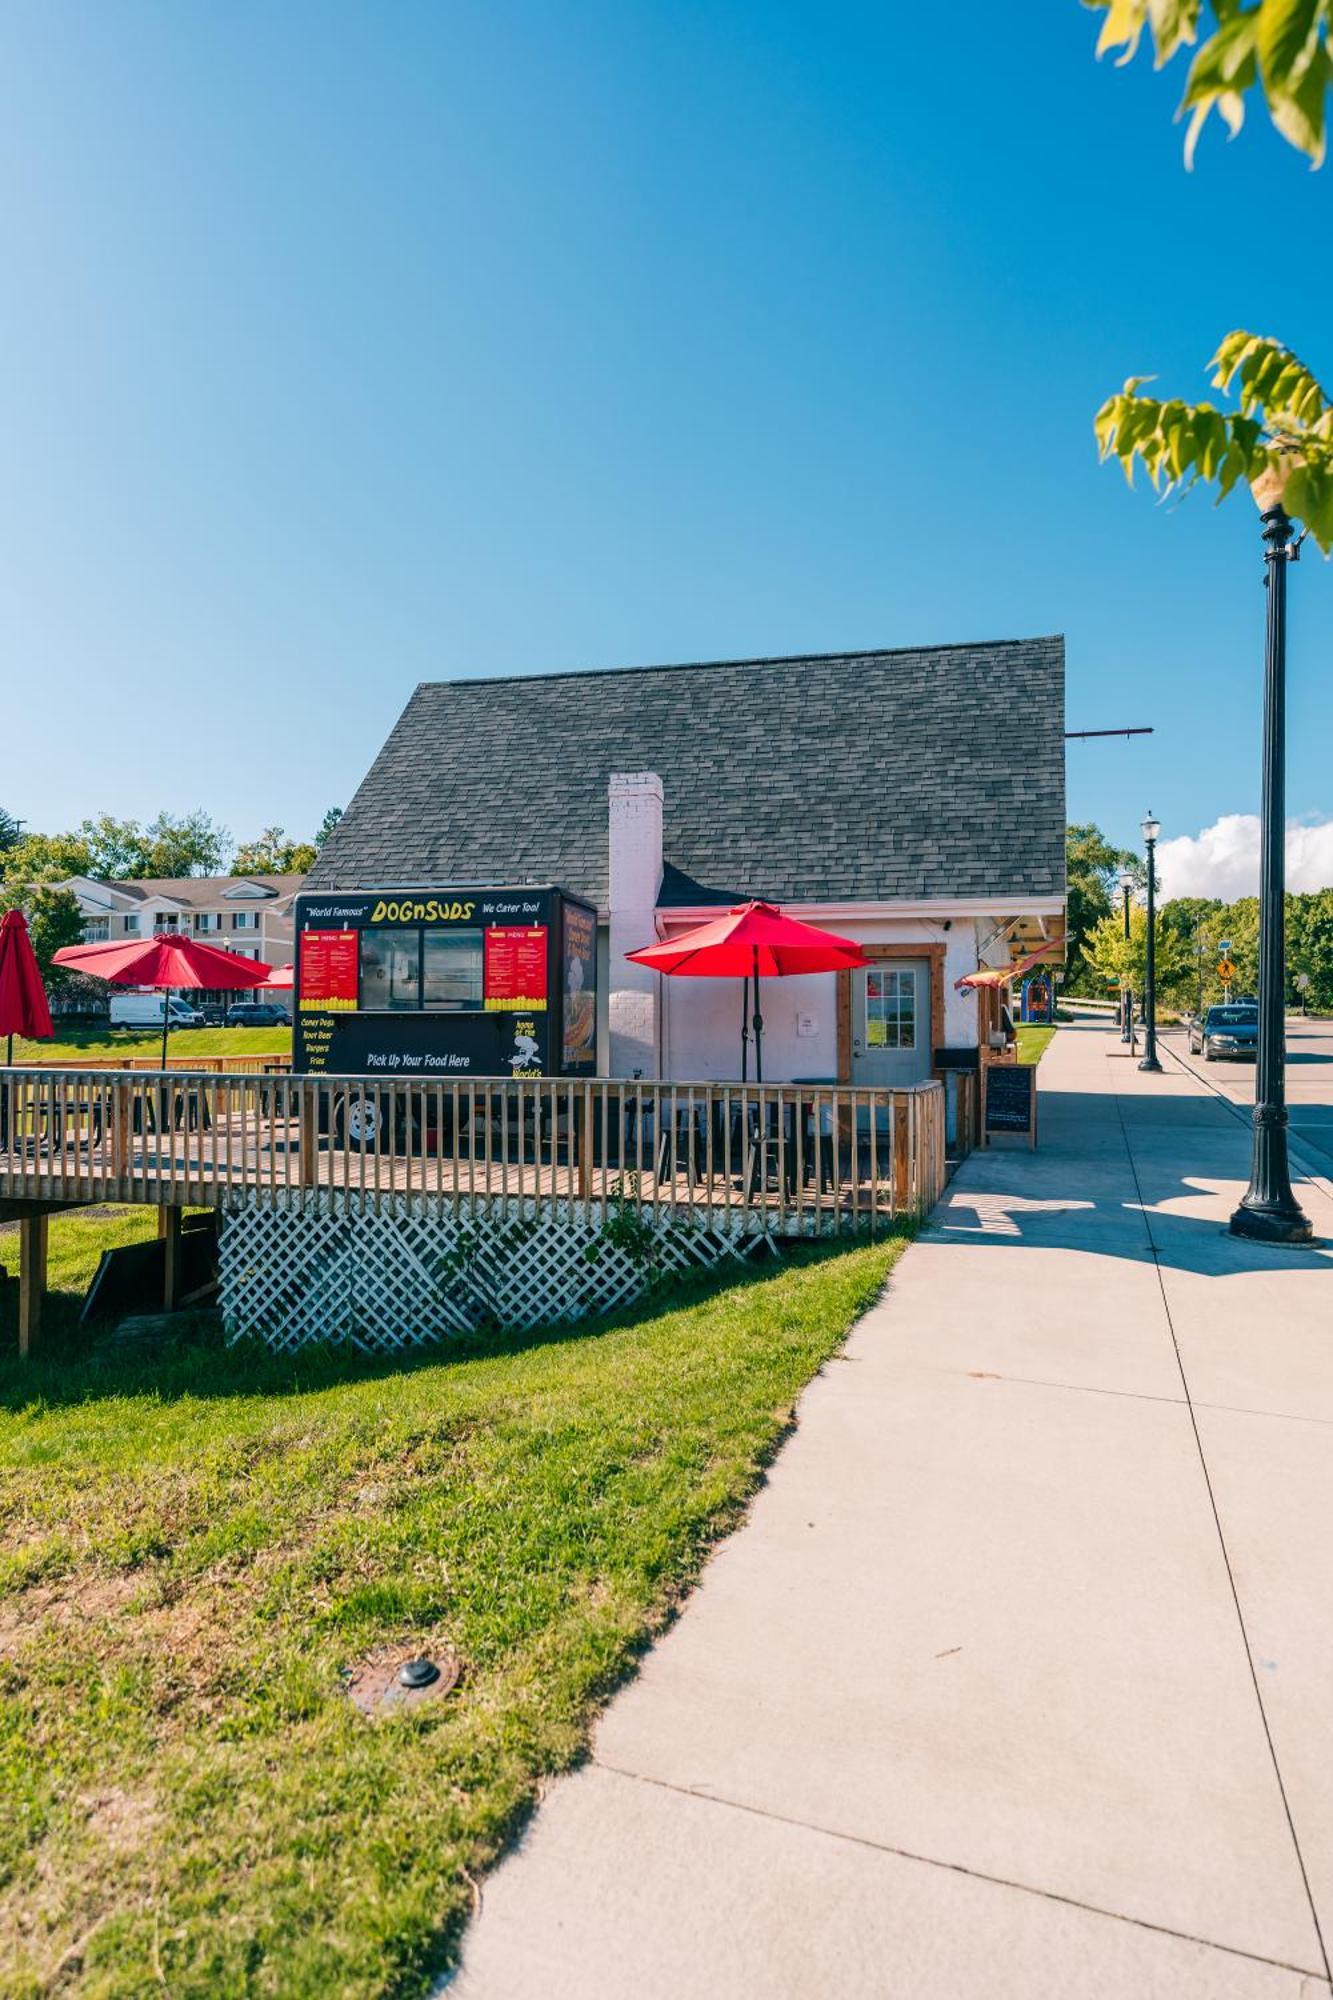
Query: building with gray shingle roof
{"points": [[932, 771], [917, 793]]}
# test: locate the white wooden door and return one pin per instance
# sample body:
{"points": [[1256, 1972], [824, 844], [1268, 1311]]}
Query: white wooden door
{"points": [[891, 1022]]}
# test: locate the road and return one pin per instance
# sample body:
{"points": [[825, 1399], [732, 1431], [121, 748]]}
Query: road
{"points": [[1309, 1083]]}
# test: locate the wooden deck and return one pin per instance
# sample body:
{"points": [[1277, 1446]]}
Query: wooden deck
{"points": [[801, 1159]]}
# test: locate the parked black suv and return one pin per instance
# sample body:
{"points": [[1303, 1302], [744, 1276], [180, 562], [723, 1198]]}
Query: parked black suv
{"points": [[258, 1014]]}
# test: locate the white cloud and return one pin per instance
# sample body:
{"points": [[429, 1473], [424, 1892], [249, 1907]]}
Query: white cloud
{"points": [[1223, 860]]}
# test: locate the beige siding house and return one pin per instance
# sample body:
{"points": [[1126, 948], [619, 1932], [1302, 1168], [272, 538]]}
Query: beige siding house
{"points": [[248, 914]]}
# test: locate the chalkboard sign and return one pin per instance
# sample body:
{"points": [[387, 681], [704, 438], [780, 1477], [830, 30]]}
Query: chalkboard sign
{"points": [[1010, 1094]]}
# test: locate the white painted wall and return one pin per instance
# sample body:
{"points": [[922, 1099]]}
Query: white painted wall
{"points": [[634, 804], [703, 1028], [702, 1016]]}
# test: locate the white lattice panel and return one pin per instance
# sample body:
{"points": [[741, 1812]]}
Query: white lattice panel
{"points": [[399, 1272]]}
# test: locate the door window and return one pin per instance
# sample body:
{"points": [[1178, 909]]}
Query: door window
{"points": [[890, 1009]]}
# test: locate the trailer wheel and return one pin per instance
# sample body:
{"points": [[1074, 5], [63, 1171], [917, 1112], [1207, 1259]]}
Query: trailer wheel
{"points": [[357, 1124]]}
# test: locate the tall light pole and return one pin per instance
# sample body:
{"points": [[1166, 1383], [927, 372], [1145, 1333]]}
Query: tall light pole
{"points": [[1127, 1024], [1269, 1210], [1151, 829]]}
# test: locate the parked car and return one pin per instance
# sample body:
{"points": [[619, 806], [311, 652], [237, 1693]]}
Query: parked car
{"points": [[214, 1013], [144, 1010], [1225, 1032], [258, 1014]]}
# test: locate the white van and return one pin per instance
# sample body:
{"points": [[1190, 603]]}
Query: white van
{"points": [[144, 1010]]}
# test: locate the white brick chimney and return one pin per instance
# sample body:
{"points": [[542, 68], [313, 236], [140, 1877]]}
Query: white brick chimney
{"points": [[635, 854]]}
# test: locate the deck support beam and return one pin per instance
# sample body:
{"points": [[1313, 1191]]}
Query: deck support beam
{"points": [[169, 1220], [32, 1280]]}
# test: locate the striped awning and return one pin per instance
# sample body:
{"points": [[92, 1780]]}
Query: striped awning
{"points": [[1000, 975]]}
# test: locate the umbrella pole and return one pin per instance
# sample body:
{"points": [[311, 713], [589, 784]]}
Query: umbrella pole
{"points": [[745, 1029], [758, 1025], [166, 1022]]}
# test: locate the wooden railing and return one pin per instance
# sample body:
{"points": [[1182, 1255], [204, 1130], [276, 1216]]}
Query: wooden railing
{"points": [[810, 1159], [245, 1065]]}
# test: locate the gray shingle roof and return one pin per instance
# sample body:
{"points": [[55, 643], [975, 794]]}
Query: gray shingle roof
{"points": [[202, 890], [926, 772]]}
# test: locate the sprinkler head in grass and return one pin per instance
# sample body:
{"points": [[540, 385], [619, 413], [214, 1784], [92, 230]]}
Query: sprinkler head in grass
{"points": [[419, 1673], [383, 1681]]}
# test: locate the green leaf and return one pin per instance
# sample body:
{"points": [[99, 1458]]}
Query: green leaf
{"points": [[1287, 37], [1300, 115], [1123, 26], [1174, 22], [1309, 496]]}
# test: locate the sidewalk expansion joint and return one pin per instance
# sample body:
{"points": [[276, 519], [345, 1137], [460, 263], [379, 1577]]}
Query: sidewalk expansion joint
{"points": [[1180, 1402], [1222, 1544], [956, 1868]]}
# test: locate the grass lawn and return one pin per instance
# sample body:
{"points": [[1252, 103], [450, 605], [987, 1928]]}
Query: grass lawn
{"points": [[194, 1548], [1032, 1043], [194, 1044]]}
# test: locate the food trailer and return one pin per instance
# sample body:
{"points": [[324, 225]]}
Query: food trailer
{"points": [[441, 984]]}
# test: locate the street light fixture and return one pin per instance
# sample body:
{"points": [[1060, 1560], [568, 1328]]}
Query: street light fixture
{"points": [[1269, 1210], [1151, 829], [1127, 1008]]}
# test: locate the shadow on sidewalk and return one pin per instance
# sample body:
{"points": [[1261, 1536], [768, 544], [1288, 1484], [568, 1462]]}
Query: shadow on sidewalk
{"points": [[1138, 1179]]}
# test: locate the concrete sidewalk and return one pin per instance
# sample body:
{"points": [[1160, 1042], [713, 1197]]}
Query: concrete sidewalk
{"points": [[1019, 1679]]}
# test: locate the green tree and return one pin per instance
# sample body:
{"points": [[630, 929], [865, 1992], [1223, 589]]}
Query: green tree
{"points": [[327, 824], [46, 857], [1310, 947], [1092, 869], [1115, 959], [271, 853], [10, 831], [1279, 48], [119, 849], [1197, 921], [54, 919], [191, 845]]}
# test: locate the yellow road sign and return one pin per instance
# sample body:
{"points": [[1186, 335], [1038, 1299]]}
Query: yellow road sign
{"points": [[1226, 971]]}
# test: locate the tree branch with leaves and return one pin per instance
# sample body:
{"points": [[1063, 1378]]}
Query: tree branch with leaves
{"points": [[1278, 439], [1281, 48]]}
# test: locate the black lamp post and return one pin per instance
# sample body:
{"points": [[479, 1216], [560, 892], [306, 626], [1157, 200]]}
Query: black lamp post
{"points": [[1269, 1210], [1151, 829], [1127, 1024]]}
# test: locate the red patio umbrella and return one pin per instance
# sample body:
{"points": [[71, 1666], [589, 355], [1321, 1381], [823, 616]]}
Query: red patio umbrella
{"points": [[750, 940], [168, 962], [23, 1008], [281, 975]]}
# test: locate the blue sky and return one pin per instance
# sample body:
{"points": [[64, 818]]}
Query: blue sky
{"points": [[348, 346]]}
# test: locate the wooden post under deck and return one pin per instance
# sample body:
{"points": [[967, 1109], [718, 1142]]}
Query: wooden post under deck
{"points": [[169, 1229], [32, 1280], [307, 1168]]}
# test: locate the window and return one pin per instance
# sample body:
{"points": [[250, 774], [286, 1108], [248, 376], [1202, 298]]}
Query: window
{"points": [[890, 1009], [245, 920], [390, 970], [410, 970], [131, 923], [451, 969]]}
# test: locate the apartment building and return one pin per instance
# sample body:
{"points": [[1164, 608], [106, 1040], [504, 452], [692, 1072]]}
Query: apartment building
{"points": [[248, 914]]}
